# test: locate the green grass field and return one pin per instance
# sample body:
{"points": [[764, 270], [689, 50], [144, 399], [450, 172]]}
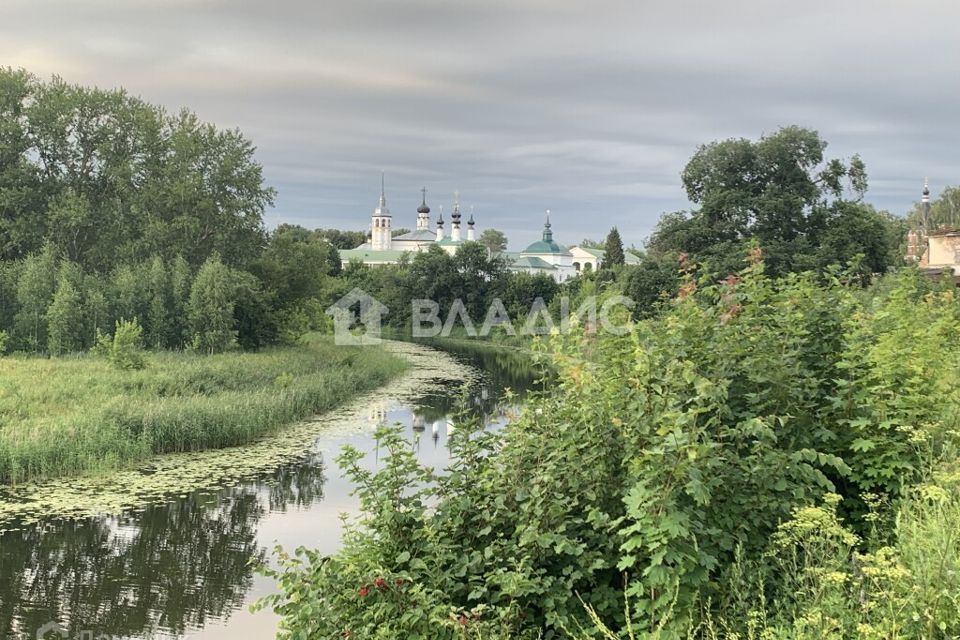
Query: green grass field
{"points": [[70, 415]]}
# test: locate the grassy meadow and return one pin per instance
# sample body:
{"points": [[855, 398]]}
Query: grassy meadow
{"points": [[78, 414]]}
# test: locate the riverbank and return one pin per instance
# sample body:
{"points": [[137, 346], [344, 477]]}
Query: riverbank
{"points": [[73, 415]]}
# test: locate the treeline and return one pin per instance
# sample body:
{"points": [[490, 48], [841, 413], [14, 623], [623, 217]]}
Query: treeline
{"points": [[52, 305], [106, 179], [111, 208]]}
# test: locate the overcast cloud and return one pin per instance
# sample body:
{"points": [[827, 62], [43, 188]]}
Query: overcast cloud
{"points": [[590, 109]]}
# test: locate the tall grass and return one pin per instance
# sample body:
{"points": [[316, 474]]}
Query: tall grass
{"points": [[69, 415]]}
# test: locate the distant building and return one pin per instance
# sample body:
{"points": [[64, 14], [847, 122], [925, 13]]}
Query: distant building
{"points": [[935, 251], [383, 248], [544, 256]]}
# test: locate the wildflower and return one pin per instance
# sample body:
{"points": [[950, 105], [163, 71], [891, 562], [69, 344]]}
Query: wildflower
{"points": [[364, 591], [731, 280], [381, 583], [399, 582], [463, 619]]}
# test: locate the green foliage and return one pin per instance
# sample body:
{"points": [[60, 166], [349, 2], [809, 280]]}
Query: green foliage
{"points": [[105, 177], [3, 342], [494, 240], [84, 414], [679, 466], [126, 351], [613, 250], [782, 192], [944, 211], [35, 290], [211, 307], [65, 319]]}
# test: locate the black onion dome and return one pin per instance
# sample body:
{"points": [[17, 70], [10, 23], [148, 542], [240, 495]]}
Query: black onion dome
{"points": [[423, 208]]}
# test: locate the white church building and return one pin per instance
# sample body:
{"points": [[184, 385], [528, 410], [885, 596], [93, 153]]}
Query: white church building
{"points": [[544, 256]]}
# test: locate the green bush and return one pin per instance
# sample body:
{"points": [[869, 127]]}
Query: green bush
{"points": [[124, 349], [660, 469]]}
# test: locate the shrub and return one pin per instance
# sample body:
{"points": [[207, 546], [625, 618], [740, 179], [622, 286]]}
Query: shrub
{"points": [[124, 349], [660, 469]]}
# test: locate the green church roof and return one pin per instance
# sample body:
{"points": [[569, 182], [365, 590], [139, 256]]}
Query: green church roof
{"points": [[532, 262], [546, 245], [542, 246]]}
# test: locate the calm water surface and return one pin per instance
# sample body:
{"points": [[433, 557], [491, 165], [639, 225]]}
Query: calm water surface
{"points": [[182, 568]]}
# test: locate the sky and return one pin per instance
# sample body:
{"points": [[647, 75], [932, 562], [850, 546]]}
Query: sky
{"points": [[589, 109]]}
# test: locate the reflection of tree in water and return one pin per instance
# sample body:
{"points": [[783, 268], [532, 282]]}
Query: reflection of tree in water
{"points": [[172, 566], [502, 369]]}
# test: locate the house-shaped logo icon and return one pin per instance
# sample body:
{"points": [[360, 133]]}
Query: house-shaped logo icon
{"points": [[370, 314], [51, 630]]}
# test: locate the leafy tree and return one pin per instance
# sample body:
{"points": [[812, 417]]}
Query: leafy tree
{"points": [[124, 349], [294, 265], [9, 275], [211, 308], [96, 308], [35, 290], [65, 319], [944, 211], [129, 292], [159, 302], [181, 282], [494, 240], [342, 239], [653, 281], [613, 250], [479, 277], [521, 289], [779, 190], [105, 177]]}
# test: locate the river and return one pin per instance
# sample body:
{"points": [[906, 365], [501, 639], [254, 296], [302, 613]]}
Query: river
{"points": [[181, 564]]}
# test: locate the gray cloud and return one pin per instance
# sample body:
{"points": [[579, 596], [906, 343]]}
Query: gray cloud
{"points": [[588, 109]]}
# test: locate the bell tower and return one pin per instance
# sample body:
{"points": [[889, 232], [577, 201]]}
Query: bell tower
{"points": [[380, 223]]}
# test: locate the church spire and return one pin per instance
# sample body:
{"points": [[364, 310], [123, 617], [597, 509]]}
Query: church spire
{"points": [[380, 223], [455, 218], [423, 213], [470, 232], [440, 225], [547, 233]]}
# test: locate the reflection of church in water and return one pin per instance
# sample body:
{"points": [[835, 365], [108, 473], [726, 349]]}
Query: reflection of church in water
{"points": [[435, 415]]}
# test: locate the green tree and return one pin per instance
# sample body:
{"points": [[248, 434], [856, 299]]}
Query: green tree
{"points": [[944, 211], [613, 250], [9, 275], [211, 307], [342, 239], [181, 282], [65, 319], [494, 240], [129, 292], [96, 308], [158, 330], [35, 290], [294, 265], [778, 190]]}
